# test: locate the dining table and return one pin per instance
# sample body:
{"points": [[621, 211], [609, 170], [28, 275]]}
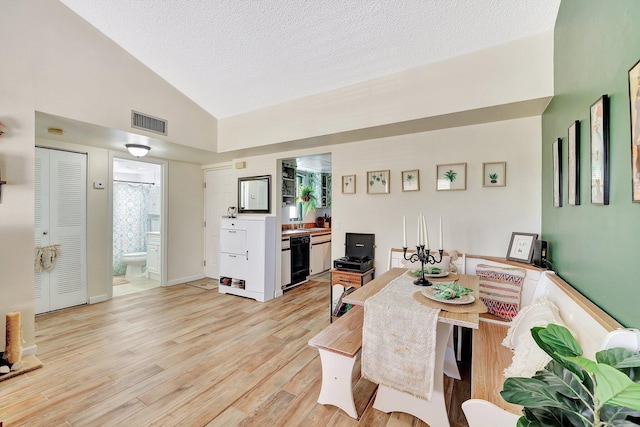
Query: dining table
{"points": [[391, 399]]}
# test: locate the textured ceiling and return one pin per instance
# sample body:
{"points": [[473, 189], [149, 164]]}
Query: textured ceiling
{"points": [[234, 56]]}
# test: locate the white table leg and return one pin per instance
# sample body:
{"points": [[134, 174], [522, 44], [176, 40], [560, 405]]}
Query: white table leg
{"points": [[432, 412], [450, 362], [337, 388]]}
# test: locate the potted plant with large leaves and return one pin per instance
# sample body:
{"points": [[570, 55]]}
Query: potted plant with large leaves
{"points": [[308, 199], [575, 391]]}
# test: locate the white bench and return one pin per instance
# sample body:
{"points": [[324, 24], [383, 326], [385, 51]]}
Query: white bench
{"points": [[592, 327], [340, 345]]}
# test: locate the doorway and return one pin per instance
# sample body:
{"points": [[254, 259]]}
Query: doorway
{"points": [[137, 200]]}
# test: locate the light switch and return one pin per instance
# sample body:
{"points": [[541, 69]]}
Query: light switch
{"points": [[98, 185]]}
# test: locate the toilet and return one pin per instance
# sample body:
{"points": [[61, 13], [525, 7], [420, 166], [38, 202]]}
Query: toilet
{"points": [[135, 262]]}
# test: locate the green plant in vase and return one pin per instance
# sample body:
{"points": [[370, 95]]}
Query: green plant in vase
{"points": [[493, 177], [307, 197], [575, 391], [450, 175]]}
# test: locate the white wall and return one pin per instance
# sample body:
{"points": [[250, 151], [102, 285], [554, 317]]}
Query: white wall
{"points": [[510, 73], [54, 62], [479, 220]]}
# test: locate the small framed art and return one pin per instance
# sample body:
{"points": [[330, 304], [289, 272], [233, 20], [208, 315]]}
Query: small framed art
{"points": [[411, 180], [494, 174], [451, 177], [573, 149], [634, 109], [599, 116], [557, 173], [521, 247], [348, 184], [378, 182]]}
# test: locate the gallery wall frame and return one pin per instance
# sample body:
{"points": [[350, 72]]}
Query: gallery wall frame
{"points": [[494, 174], [634, 110], [573, 163], [378, 182], [411, 180], [348, 184], [599, 142], [452, 176], [521, 247], [557, 172]]}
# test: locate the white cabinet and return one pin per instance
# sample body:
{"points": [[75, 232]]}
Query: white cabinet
{"points": [[320, 256], [153, 255], [247, 256]]}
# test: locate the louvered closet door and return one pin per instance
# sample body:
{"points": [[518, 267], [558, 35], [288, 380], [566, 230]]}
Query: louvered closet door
{"points": [[67, 183]]}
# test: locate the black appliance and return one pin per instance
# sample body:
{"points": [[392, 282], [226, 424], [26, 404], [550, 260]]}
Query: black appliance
{"points": [[359, 252], [299, 258]]}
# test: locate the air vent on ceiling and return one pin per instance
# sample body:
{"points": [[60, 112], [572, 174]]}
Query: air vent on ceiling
{"points": [[147, 122]]}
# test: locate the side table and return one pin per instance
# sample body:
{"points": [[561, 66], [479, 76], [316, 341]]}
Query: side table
{"points": [[347, 278]]}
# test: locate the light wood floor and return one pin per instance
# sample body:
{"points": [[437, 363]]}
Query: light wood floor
{"points": [[183, 356]]}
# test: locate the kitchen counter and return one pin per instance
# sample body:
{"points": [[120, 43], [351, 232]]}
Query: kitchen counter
{"points": [[300, 231]]}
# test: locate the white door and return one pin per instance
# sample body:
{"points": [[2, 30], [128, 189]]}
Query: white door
{"points": [[220, 193], [60, 219]]}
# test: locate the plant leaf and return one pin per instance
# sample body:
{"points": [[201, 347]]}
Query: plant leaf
{"points": [[556, 341], [531, 393], [619, 358]]}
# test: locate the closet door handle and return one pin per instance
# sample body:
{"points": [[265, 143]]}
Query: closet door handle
{"points": [[44, 233]]}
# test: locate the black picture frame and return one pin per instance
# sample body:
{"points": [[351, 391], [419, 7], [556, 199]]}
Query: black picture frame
{"points": [[557, 172], [573, 163], [521, 247], [634, 111], [599, 142]]}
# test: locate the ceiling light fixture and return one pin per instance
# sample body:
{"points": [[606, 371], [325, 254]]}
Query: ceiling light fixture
{"points": [[138, 150]]}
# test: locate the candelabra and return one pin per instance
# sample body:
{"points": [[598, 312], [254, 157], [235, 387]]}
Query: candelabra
{"points": [[423, 255]]}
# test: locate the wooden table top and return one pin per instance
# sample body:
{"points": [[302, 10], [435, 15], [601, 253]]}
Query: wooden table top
{"points": [[467, 320]]}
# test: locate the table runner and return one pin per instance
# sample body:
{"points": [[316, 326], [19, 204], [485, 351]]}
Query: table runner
{"points": [[399, 339]]}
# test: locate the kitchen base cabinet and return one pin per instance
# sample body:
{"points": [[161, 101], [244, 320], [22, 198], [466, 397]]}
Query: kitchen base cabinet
{"points": [[247, 256], [320, 254]]}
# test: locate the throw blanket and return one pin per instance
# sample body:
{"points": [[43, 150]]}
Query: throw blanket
{"points": [[399, 339]]}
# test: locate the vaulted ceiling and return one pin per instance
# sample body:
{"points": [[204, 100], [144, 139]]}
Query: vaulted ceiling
{"points": [[234, 56]]}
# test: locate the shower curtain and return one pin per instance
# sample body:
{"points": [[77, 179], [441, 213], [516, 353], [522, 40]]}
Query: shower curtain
{"points": [[130, 221]]}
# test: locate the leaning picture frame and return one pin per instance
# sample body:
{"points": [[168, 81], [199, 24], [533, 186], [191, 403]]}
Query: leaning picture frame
{"points": [[557, 172], [452, 176], [411, 180], [634, 110], [378, 182], [599, 120], [521, 247], [573, 163], [348, 184]]}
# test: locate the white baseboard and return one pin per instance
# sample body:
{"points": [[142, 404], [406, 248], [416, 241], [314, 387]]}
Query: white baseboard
{"points": [[99, 298], [31, 350], [185, 279]]}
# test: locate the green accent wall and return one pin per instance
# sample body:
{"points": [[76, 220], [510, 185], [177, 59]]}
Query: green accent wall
{"points": [[595, 248]]}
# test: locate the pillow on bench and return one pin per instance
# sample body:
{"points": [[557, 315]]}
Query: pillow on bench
{"points": [[528, 358], [500, 289]]}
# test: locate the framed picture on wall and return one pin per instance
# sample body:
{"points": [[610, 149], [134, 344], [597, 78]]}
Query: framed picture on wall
{"points": [[452, 176], [348, 184], [557, 173], [411, 180], [378, 182], [494, 174], [634, 108], [599, 118], [521, 247], [573, 148]]}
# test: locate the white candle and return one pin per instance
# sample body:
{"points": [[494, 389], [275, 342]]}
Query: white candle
{"points": [[419, 235], [441, 247], [404, 231], [425, 231]]}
